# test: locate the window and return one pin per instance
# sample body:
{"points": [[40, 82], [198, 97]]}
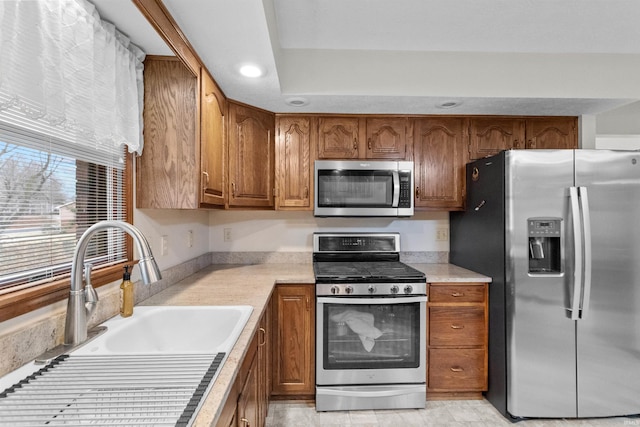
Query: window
{"points": [[70, 100], [49, 195]]}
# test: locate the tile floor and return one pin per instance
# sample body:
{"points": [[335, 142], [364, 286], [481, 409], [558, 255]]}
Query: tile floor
{"points": [[449, 413]]}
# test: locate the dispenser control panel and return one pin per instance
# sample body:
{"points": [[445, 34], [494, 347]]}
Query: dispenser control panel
{"points": [[544, 227]]}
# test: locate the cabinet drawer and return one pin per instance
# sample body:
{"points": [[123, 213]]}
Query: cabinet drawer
{"points": [[457, 369], [456, 293], [456, 326]]}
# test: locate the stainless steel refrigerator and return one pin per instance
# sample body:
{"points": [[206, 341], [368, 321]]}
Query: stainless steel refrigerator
{"points": [[559, 233]]}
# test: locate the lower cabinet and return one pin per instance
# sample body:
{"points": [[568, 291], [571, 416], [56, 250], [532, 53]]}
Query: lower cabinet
{"points": [[293, 342], [248, 400], [457, 319]]}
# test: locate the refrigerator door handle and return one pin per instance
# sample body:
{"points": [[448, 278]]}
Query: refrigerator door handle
{"points": [[577, 253], [586, 234]]}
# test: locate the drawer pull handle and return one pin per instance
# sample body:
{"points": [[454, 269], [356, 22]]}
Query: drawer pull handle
{"points": [[456, 369], [457, 326], [457, 294]]}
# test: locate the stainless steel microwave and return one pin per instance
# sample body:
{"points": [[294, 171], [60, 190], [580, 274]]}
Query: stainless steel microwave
{"points": [[363, 188]]}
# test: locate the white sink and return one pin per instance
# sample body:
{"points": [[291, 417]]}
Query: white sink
{"points": [[172, 329]]}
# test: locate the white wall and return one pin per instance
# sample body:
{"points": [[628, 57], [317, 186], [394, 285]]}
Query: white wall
{"points": [[620, 121], [256, 231], [175, 225]]}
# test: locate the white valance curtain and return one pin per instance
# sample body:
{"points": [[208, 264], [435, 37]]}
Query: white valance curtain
{"points": [[68, 74]]}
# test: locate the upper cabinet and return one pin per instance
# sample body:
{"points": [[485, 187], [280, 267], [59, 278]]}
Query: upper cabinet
{"points": [[440, 157], [352, 137], [338, 138], [490, 135], [168, 172], [251, 156], [294, 164], [552, 132], [387, 138], [212, 142]]}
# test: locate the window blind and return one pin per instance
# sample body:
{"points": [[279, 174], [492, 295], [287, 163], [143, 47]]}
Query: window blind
{"points": [[50, 193]]}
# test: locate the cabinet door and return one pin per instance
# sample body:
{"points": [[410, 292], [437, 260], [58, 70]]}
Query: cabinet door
{"points": [[387, 138], [264, 364], [294, 165], [439, 149], [167, 171], [248, 415], [211, 142], [251, 157], [552, 132], [338, 137], [490, 135], [294, 349]]}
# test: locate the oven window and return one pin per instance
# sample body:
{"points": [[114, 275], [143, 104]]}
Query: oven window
{"points": [[371, 336], [351, 188]]}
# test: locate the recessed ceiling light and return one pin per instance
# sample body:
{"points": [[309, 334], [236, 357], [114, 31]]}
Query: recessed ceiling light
{"points": [[250, 70], [297, 101], [449, 104]]}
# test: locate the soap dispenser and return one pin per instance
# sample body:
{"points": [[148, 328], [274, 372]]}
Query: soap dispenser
{"points": [[126, 294]]}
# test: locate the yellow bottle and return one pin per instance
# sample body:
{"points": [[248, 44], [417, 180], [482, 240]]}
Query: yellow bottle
{"points": [[126, 294]]}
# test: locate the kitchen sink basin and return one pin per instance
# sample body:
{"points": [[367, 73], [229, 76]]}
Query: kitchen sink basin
{"points": [[172, 329], [154, 367]]}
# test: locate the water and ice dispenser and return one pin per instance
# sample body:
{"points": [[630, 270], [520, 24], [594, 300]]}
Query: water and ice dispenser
{"points": [[544, 245]]}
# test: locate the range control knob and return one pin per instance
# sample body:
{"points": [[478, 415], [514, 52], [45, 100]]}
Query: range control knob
{"points": [[349, 289], [335, 290], [394, 289], [408, 289], [371, 289]]}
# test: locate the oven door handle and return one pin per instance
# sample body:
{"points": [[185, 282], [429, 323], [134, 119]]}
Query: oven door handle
{"points": [[363, 392], [371, 300]]}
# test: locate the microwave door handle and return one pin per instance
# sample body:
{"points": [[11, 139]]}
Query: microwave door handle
{"points": [[396, 189]]}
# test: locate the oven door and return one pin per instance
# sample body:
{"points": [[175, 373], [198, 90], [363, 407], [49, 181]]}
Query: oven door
{"points": [[370, 340]]}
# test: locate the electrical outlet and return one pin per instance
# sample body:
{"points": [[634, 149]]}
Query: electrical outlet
{"points": [[164, 245], [442, 234], [227, 235], [190, 238]]}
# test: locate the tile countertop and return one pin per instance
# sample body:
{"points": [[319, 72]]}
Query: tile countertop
{"points": [[252, 285]]}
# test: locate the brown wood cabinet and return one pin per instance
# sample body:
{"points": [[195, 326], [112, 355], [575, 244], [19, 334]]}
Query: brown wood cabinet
{"points": [[168, 172], [294, 162], [338, 137], [212, 142], [552, 132], [387, 138], [182, 166], [490, 135], [440, 158], [251, 156], [293, 342], [457, 340], [361, 137], [247, 403]]}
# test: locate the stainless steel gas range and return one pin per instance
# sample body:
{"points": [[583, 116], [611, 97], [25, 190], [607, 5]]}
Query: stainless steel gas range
{"points": [[370, 324]]}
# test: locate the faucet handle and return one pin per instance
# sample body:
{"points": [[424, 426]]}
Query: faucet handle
{"points": [[88, 266]]}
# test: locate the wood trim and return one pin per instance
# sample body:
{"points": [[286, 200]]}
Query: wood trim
{"points": [[18, 302]]}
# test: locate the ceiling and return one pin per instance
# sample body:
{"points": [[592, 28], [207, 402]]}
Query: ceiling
{"points": [[529, 57]]}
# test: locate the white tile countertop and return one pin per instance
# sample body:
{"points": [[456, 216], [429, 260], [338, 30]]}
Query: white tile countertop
{"points": [[252, 285]]}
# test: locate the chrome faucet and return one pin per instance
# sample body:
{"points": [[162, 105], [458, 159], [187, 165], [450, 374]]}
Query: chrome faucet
{"points": [[83, 300]]}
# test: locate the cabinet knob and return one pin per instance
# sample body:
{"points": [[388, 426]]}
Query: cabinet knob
{"points": [[206, 175]]}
